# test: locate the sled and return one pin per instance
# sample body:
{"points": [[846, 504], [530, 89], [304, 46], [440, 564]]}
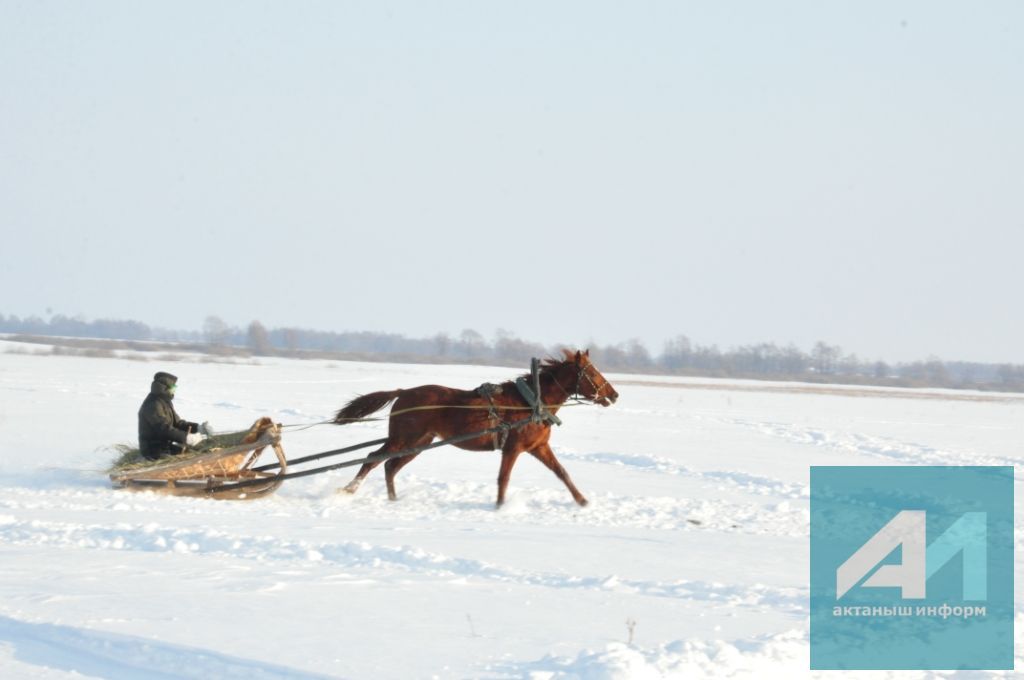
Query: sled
{"points": [[216, 473]]}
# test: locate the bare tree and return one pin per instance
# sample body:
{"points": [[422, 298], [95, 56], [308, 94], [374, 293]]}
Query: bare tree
{"points": [[637, 355], [472, 344], [215, 331], [824, 357], [291, 339], [442, 344], [258, 339], [678, 353]]}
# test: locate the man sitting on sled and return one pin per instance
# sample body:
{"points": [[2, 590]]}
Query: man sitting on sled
{"points": [[161, 431]]}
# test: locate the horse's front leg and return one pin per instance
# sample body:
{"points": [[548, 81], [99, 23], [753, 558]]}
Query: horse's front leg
{"points": [[544, 454], [508, 459]]}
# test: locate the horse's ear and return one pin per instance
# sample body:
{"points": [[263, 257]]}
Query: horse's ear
{"points": [[587, 353], [579, 357]]}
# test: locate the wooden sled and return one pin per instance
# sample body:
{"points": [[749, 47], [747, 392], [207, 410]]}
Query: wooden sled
{"points": [[212, 474]]}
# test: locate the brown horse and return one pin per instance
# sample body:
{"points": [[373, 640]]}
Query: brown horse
{"points": [[422, 413]]}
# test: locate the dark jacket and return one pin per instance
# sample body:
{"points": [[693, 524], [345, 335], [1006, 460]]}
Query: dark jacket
{"points": [[161, 431]]}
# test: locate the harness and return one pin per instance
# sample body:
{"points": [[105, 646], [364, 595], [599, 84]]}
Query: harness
{"points": [[540, 414], [487, 391], [529, 390]]}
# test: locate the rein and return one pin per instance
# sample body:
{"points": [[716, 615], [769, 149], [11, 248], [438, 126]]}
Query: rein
{"points": [[530, 394]]}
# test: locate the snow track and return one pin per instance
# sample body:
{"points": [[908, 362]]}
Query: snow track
{"points": [[883, 448], [124, 657], [371, 561], [665, 466]]}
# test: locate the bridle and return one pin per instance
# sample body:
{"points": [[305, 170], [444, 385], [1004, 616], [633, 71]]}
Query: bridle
{"points": [[583, 371]]}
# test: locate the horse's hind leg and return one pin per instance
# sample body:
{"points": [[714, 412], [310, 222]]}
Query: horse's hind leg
{"points": [[394, 464], [391, 469], [366, 468], [544, 454]]}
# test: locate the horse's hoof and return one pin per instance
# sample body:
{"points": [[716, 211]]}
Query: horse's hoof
{"points": [[583, 502], [346, 489]]}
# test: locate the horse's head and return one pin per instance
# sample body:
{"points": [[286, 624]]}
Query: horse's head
{"points": [[590, 384]]}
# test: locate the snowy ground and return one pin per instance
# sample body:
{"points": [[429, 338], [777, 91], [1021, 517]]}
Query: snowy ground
{"points": [[697, 529]]}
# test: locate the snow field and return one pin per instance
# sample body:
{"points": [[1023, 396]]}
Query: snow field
{"points": [[697, 530]]}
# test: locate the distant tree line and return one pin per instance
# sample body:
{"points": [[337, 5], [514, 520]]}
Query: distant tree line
{"points": [[679, 356]]}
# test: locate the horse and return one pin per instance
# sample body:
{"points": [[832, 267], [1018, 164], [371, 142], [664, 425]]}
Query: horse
{"points": [[420, 414]]}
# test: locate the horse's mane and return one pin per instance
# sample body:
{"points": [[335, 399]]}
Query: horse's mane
{"points": [[551, 363]]}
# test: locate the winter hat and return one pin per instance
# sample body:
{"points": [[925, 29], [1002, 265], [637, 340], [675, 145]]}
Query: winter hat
{"points": [[165, 379]]}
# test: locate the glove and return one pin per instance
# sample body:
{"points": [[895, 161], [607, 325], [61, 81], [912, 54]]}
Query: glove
{"points": [[193, 440], [206, 429]]}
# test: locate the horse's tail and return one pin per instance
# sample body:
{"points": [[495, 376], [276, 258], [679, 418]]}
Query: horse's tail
{"points": [[360, 407]]}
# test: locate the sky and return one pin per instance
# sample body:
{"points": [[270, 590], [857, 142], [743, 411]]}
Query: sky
{"points": [[571, 172]]}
